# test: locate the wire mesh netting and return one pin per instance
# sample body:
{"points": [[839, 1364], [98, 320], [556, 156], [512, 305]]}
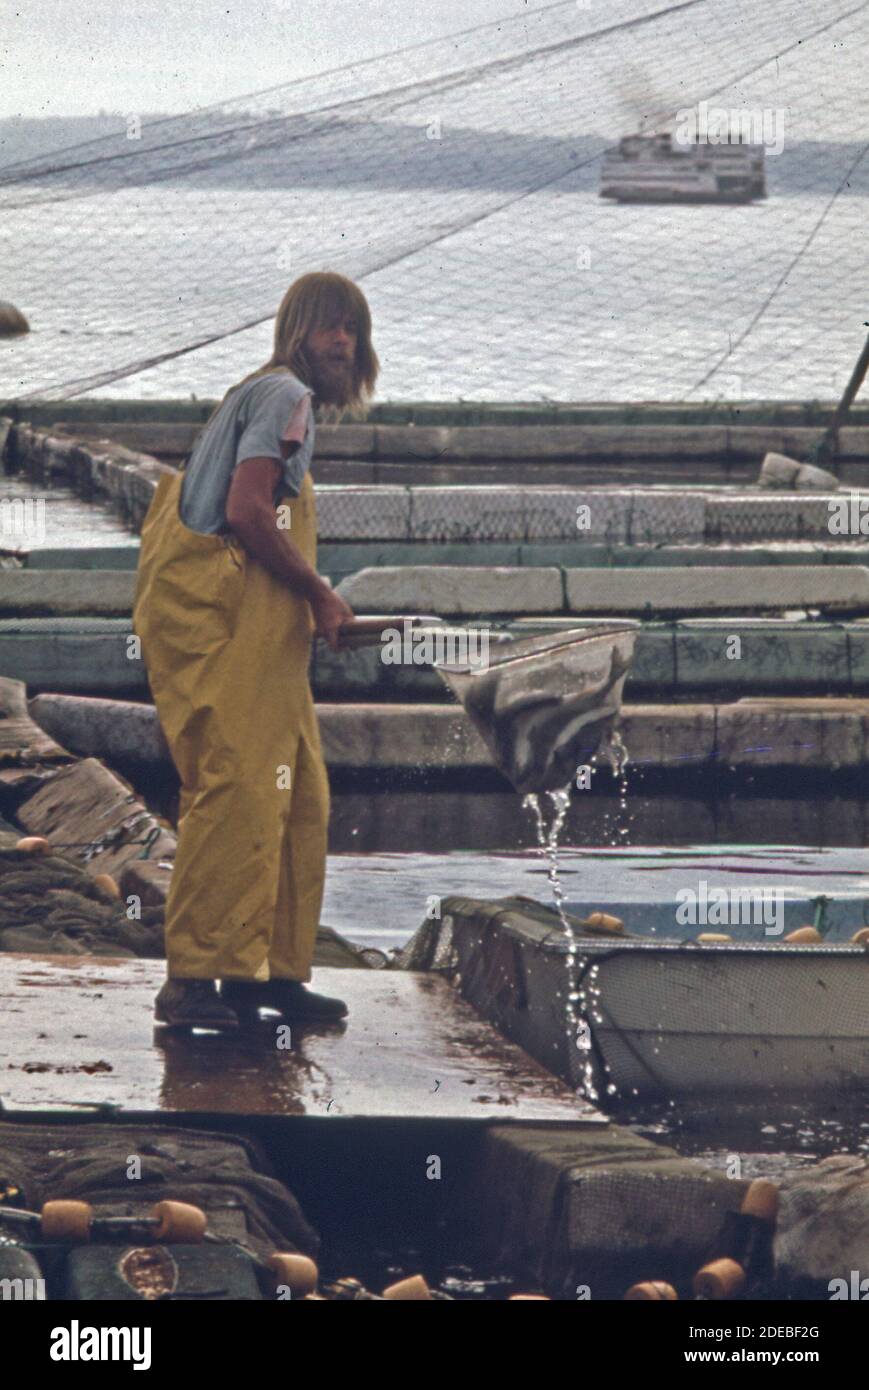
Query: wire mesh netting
{"points": [[766, 1018], [562, 513], [459, 181]]}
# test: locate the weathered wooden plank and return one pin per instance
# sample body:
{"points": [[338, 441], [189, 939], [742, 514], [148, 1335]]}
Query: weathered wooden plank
{"points": [[110, 729], [74, 654], [22, 742], [95, 593], [444, 590], [123, 556], [549, 441], [793, 440], [409, 442], [345, 441], [578, 470], [724, 591], [96, 819], [353, 471], [174, 438], [365, 736], [448, 590]]}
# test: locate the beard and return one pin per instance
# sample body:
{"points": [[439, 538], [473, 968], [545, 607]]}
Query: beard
{"points": [[332, 381]]}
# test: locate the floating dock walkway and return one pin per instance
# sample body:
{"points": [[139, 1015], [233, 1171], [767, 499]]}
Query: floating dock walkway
{"points": [[83, 1036]]}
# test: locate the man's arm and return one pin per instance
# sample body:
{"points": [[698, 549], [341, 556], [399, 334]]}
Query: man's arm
{"points": [[250, 514]]}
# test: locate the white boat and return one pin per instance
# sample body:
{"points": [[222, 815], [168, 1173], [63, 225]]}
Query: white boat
{"points": [[665, 1018], [679, 1020], [654, 168]]}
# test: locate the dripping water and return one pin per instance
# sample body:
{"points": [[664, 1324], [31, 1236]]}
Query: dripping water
{"points": [[617, 828], [576, 1024], [582, 1006]]}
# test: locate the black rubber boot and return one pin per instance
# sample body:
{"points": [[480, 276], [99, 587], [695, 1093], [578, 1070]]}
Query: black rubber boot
{"points": [[290, 998], [194, 1004], [245, 998]]}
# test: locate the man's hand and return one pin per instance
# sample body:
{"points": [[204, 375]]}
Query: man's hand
{"points": [[330, 613]]}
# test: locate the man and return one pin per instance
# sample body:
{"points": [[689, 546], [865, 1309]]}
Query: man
{"points": [[228, 599]]}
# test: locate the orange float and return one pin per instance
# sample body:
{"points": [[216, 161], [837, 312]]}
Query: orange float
{"points": [[804, 936], [653, 1291], [408, 1290], [33, 844], [297, 1272], [720, 1279]]}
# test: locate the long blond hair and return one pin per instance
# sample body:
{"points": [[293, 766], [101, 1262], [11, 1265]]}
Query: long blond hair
{"points": [[315, 301]]}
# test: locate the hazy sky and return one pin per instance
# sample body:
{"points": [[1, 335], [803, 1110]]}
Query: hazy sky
{"points": [[74, 57]]}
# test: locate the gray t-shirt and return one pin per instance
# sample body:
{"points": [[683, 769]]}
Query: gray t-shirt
{"points": [[250, 423]]}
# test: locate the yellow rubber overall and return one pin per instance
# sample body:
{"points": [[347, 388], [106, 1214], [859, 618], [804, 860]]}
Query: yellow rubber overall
{"points": [[227, 648]]}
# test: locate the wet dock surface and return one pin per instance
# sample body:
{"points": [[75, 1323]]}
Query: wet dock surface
{"points": [[79, 1032]]}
